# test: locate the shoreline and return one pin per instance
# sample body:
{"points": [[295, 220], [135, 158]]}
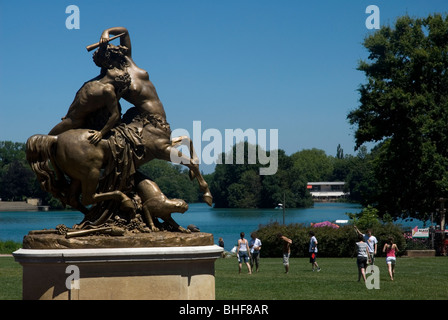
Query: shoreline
{"points": [[21, 206]]}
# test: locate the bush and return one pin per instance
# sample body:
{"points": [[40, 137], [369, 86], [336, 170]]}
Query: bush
{"points": [[331, 242], [416, 243], [9, 246]]}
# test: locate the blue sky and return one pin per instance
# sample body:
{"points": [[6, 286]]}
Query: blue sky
{"points": [[288, 64]]}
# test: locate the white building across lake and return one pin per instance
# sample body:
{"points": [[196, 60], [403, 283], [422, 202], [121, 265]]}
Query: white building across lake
{"points": [[327, 191]]}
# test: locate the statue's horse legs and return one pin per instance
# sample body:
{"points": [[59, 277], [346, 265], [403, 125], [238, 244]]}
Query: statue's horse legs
{"points": [[192, 164], [159, 145], [90, 196]]}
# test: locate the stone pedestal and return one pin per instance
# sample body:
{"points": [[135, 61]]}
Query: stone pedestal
{"points": [[139, 273]]}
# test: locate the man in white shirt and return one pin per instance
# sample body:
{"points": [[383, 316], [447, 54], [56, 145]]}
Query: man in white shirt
{"points": [[255, 247]]}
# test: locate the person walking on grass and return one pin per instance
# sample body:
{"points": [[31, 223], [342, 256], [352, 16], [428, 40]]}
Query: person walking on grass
{"points": [[286, 250], [363, 256], [390, 248], [313, 251], [243, 253], [372, 243], [255, 247]]}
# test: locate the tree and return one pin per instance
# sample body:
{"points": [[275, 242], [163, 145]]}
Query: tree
{"points": [[313, 164], [241, 186], [360, 178], [404, 105], [11, 151], [341, 165], [16, 177], [17, 181]]}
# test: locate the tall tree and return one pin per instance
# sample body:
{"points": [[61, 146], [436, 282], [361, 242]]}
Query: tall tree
{"points": [[404, 104]]}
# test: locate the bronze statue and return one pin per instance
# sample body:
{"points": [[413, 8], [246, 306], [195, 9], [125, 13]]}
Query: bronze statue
{"points": [[91, 157], [99, 94]]}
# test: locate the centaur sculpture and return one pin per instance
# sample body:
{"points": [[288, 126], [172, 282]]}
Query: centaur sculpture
{"points": [[91, 157]]}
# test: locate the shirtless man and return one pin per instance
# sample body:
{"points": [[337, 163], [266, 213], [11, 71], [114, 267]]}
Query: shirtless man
{"points": [[101, 92], [286, 250]]}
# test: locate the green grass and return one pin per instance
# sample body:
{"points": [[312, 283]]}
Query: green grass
{"points": [[415, 278], [10, 279]]}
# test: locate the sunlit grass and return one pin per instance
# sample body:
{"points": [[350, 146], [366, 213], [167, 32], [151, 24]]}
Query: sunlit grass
{"points": [[415, 278]]}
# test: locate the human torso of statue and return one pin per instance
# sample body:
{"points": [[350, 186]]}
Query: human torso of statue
{"points": [[142, 93]]}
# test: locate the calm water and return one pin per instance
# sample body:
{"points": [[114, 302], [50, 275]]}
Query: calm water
{"points": [[225, 223]]}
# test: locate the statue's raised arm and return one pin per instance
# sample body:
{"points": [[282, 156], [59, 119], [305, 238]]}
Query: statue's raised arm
{"points": [[125, 39]]}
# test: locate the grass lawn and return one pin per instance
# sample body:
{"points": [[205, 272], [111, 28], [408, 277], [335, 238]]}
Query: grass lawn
{"points": [[415, 278], [10, 279]]}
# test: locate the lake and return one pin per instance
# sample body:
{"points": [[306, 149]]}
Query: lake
{"points": [[225, 223]]}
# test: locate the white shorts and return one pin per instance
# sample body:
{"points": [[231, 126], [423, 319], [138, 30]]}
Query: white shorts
{"points": [[391, 260], [286, 259]]}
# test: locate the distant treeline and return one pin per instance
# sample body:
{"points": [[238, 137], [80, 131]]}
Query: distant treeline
{"points": [[241, 185], [232, 185]]}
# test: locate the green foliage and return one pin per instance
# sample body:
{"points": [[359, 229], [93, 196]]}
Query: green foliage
{"points": [[9, 246], [239, 185], [404, 105], [10, 152], [417, 243], [17, 181], [331, 242], [312, 165], [360, 178], [366, 219], [233, 185]]}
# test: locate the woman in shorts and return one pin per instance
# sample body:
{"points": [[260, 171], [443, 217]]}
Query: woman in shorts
{"points": [[390, 248], [363, 256], [243, 253]]}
